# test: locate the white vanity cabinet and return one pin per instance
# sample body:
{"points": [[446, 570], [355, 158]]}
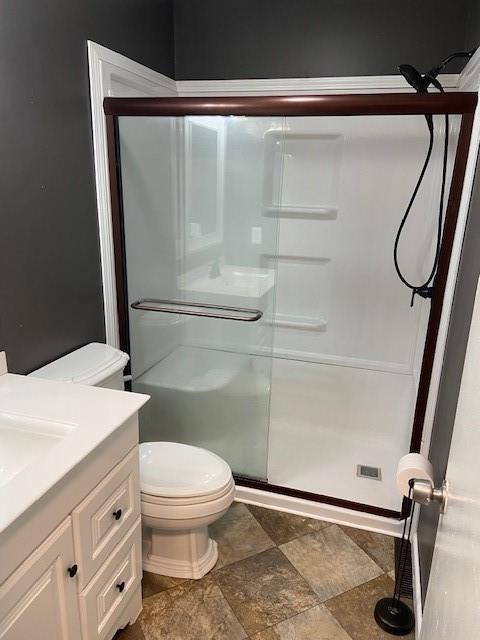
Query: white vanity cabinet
{"points": [[70, 530], [40, 599], [84, 581]]}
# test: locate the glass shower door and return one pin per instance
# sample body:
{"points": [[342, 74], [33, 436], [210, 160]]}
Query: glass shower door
{"points": [[200, 243]]}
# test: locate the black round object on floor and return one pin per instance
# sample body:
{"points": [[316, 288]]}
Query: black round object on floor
{"points": [[394, 616]]}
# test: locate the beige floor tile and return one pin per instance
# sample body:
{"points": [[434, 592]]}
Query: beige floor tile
{"points": [[330, 561], [238, 535], [378, 546], [354, 609], [283, 527], [153, 583], [264, 590], [315, 624], [195, 610]]}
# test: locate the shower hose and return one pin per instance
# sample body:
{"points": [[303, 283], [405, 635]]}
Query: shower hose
{"points": [[425, 289]]}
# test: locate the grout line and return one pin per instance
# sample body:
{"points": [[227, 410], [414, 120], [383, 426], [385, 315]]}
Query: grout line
{"points": [[357, 587], [347, 591], [300, 535], [270, 626], [343, 527]]}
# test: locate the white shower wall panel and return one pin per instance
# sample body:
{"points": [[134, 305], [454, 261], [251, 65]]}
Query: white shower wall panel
{"points": [[336, 280]]}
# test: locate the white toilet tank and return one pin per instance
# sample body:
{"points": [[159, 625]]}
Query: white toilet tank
{"points": [[96, 364]]}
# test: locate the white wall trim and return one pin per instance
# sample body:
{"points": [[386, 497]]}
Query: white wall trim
{"points": [[417, 586], [109, 72], [319, 511], [286, 86]]}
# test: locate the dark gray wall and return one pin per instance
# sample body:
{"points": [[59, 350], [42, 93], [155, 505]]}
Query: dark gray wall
{"points": [[219, 39], [452, 373], [50, 286], [473, 26]]}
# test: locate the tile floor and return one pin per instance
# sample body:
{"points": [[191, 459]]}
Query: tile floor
{"points": [[278, 577]]}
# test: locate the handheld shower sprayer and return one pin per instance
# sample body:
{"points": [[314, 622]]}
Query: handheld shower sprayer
{"points": [[421, 82]]}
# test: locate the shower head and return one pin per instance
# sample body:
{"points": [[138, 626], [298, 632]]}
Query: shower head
{"points": [[421, 81], [414, 78]]}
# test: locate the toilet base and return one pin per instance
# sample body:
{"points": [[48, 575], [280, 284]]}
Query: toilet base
{"points": [[179, 554]]}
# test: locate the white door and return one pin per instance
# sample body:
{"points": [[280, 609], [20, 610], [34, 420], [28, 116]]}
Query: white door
{"points": [[39, 600], [452, 606]]}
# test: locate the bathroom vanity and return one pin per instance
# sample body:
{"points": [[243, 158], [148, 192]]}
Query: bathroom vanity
{"points": [[70, 533]]}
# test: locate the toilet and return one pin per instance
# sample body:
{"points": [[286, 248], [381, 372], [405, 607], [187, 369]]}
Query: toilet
{"points": [[183, 489]]}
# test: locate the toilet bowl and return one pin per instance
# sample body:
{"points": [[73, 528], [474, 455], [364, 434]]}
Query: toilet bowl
{"points": [[184, 489]]}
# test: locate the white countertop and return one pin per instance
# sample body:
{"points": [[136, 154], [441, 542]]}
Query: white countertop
{"points": [[83, 416]]}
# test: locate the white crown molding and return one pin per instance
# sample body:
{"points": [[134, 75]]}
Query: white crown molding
{"points": [[112, 74], [469, 78], [289, 86]]}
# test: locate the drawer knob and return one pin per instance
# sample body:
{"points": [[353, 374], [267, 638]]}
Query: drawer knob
{"points": [[117, 514], [121, 586], [72, 571]]}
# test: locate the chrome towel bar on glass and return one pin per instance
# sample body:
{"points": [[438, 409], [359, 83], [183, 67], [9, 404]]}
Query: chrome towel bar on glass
{"points": [[183, 307]]}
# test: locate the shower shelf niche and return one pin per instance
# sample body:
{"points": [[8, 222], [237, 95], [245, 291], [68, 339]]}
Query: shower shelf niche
{"points": [[298, 211], [297, 322], [302, 174]]}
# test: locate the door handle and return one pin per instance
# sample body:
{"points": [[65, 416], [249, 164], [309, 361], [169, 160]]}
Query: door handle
{"points": [[425, 493]]}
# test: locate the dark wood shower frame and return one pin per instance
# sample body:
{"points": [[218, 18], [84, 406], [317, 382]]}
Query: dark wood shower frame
{"points": [[390, 104]]}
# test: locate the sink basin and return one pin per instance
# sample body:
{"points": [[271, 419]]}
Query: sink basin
{"points": [[23, 439], [233, 281]]}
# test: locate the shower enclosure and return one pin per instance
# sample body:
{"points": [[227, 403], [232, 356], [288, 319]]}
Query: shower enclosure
{"points": [[256, 290]]}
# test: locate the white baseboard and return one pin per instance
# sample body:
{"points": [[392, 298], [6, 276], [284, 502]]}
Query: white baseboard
{"points": [[417, 586], [319, 511]]}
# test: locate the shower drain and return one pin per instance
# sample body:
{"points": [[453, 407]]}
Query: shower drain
{"points": [[365, 471]]}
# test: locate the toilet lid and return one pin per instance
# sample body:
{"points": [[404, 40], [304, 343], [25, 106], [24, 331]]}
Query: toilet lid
{"points": [[172, 470]]}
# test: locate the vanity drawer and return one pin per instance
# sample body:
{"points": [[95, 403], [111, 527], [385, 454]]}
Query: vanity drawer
{"points": [[107, 594], [104, 517]]}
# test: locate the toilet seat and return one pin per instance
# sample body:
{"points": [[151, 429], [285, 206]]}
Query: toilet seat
{"points": [[170, 510], [171, 471], [188, 500]]}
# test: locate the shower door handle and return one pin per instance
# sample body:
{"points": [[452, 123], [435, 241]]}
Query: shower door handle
{"points": [[182, 307]]}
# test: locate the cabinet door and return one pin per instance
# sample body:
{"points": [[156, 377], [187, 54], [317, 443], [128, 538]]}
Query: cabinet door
{"points": [[39, 600]]}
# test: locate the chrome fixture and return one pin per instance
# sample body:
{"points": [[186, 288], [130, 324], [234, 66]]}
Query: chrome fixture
{"points": [[425, 493], [181, 307]]}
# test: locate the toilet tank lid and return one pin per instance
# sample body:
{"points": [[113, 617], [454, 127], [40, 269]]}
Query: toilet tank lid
{"points": [[90, 365]]}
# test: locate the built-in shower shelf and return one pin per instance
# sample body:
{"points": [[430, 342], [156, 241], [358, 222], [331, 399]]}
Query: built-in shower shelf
{"points": [[308, 213], [297, 322], [298, 259]]}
